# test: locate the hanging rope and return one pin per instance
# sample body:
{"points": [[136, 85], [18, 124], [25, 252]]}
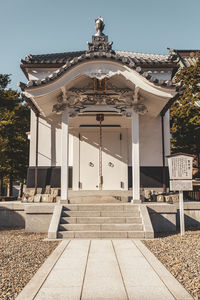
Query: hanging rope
{"points": [[100, 118]]}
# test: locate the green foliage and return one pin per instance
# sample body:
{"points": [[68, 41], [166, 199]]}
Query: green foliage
{"points": [[185, 112], [4, 81], [14, 123]]}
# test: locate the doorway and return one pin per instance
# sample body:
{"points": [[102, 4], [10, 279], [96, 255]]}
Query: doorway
{"points": [[113, 161]]}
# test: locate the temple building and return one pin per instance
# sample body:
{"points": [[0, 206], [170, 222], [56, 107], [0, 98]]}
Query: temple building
{"points": [[99, 120]]}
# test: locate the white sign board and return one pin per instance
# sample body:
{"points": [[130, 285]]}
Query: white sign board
{"points": [[180, 174], [180, 185], [180, 167]]}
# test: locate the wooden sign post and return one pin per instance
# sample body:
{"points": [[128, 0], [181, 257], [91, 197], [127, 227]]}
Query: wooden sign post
{"points": [[180, 174]]}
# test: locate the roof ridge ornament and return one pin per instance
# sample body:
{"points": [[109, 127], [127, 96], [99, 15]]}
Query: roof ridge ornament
{"points": [[99, 26], [100, 40]]}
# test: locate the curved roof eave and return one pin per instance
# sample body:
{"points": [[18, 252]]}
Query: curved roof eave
{"points": [[124, 60]]}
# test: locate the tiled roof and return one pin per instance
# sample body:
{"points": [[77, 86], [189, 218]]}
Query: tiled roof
{"points": [[146, 58], [117, 56], [53, 58], [184, 58], [62, 58]]}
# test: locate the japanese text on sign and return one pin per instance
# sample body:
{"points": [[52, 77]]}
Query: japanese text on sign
{"points": [[180, 167]]}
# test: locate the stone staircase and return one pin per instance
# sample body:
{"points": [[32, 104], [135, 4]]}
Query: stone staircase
{"points": [[100, 221]]}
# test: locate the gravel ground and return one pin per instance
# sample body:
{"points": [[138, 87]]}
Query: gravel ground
{"points": [[181, 256], [21, 255]]}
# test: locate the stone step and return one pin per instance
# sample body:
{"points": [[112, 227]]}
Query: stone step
{"points": [[100, 220], [101, 234], [81, 213], [68, 220], [102, 207], [133, 214], [85, 213], [96, 199], [100, 227]]}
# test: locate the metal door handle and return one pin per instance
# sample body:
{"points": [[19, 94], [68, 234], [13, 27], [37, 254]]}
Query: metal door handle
{"points": [[111, 164], [91, 164]]}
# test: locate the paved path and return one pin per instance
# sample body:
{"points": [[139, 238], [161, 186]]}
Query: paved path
{"points": [[103, 269]]}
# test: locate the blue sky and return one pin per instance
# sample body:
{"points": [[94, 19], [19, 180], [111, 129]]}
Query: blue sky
{"points": [[47, 26]]}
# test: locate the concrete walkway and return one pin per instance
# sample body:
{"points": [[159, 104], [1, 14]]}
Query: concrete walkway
{"points": [[103, 269]]}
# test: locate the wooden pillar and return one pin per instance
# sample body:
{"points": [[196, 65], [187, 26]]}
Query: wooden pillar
{"points": [[135, 158], [36, 152], [64, 157], [163, 155]]}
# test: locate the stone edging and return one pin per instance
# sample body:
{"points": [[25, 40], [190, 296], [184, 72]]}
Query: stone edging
{"points": [[148, 228], [55, 221], [34, 285], [175, 288]]}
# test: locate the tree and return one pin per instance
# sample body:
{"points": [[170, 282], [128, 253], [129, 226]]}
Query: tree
{"points": [[185, 112], [14, 123]]}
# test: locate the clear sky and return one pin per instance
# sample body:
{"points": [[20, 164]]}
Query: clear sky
{"points": [[48, 26]]}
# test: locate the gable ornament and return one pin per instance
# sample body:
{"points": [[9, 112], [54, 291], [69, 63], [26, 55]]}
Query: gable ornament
{"points": [[77, 99]]}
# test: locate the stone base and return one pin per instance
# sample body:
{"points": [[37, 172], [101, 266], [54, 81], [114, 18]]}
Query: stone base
{"points": [[63, 201], [135, 201]]}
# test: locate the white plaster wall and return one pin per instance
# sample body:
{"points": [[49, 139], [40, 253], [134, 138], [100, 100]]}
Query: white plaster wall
{"points": [[44, 142], [44, 145], [150, 139], [32, 144], [58, 147], [161, 75], [167, 135], [48, 133], [39, 73]]}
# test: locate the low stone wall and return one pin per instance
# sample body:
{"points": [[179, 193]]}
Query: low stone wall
{"points": [[32, 217], [163, 216], [38, 217], [191, 212], [12, 214]]}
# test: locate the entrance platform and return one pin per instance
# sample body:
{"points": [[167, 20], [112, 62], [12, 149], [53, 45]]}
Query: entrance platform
{"points": [[100, 193], [104, 196], [103, 269]]}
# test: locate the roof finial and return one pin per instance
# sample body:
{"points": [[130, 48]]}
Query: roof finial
{"points": [[99, 26], [100, 40]]}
